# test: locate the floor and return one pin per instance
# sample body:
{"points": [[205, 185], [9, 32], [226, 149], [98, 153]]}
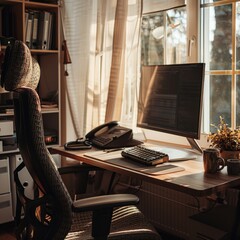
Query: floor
{"points": [[7, 233], [166, 236]]}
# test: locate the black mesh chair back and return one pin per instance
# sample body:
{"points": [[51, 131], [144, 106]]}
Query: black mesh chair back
{"points": [[54, 202]]}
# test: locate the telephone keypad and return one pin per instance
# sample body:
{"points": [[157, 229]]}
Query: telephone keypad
{"points": [[101, 140]]}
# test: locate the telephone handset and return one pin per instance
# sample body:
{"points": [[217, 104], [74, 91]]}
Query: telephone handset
{"points": [[111, 135], [100, 128]]}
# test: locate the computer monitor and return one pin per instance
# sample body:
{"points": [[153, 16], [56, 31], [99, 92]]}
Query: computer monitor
{"points": [[170, 99]]}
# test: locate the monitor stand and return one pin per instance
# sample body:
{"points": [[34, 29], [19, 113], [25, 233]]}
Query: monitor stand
{"points": [[193, 143]]}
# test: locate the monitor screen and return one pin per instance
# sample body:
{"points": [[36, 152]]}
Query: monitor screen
{"points": [[170, 98]]}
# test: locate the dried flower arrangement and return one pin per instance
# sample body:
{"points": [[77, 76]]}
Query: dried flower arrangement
{"points": [[225, 138]]}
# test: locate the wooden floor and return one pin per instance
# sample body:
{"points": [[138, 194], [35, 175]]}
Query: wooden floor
{"points": [[7, 231]]}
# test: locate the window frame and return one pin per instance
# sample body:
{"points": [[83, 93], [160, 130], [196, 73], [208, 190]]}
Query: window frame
{"points": [[233, 72]]}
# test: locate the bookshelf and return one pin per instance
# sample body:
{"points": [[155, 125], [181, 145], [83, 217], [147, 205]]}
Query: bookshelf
{"points": [[37, 24], [45, 47]]}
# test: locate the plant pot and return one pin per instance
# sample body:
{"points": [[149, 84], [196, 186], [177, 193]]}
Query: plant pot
{"points": [[229, 154]]}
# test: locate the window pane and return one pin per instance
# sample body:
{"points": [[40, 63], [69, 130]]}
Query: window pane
{"points": [[152, 38], [164, 37], [220, 98], [218, 37], [176, 36], [238, 36]]}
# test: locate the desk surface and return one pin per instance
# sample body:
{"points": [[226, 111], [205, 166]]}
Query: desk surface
{"points": [[192, 180]]}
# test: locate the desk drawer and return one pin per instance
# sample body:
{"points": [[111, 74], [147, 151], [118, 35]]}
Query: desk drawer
{"points": [[4, 176], [6, 208], [6, 128]]}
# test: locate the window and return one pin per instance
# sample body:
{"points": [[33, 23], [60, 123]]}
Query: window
{"points": [[217, 44], [169, 34], [221, 53], [171, 27], [163, 37], [164, 32]]}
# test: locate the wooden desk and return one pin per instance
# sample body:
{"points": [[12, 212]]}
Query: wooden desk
{"points": [[191, 181]]}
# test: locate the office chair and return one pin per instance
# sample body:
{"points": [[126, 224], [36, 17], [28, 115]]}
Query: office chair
{"points": [[52, 214]]}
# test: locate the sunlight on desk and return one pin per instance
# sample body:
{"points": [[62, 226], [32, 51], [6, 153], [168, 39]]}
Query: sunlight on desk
{"points": [[115, 157], [175, 153]]}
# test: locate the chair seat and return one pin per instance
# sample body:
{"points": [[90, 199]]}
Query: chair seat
{"points": [[124, 220]]}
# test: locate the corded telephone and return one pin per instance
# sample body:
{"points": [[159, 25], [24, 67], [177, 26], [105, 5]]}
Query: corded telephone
{"points": [[111, 135], [106, 136]]}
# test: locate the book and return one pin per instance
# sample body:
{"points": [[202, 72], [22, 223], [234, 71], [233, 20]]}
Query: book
{"points": [[48, 104], [50, 30], [29, 28], [44, 21], [35, 30], [1, 20], [26, 20], [8, 19]]}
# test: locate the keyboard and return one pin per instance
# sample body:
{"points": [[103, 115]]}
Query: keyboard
{"points": [[145, 155]]}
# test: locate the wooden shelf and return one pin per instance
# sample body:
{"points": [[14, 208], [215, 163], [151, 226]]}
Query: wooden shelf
{"points": [[49, 110], [5, 2], [40, 51]]}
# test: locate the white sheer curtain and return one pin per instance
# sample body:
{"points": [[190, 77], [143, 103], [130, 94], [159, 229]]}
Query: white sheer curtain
{"points": [[91, 31]]}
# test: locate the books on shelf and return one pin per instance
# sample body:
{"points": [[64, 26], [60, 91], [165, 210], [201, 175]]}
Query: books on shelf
{"points": [[48, 104], [39, 28]]}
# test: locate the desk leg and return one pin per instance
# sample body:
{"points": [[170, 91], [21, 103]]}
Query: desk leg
{"points": [[111, 182], [236, 223]]}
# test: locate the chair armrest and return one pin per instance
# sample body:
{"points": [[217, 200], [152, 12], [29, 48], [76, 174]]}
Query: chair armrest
{"points": [[105, 201], [102, 208]]}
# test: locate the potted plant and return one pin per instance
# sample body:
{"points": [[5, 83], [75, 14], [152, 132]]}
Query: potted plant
{"points": [[226, 139]]}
